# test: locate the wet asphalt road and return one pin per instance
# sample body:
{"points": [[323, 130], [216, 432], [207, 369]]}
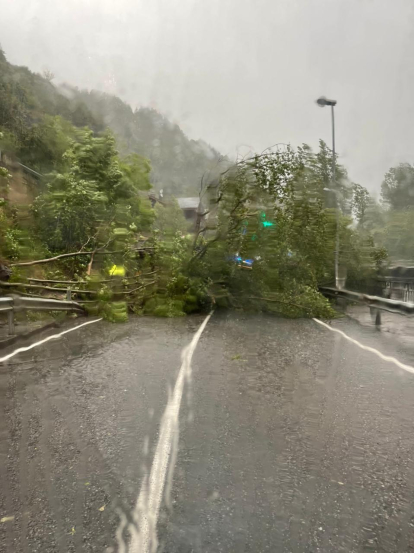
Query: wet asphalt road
{"points": [[291, 439]]}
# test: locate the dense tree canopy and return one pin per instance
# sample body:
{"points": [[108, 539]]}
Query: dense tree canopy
{"points": [[274, 238], [95, 195], [397, 189]]}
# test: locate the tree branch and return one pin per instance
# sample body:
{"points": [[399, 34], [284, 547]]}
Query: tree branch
{"points": [[39, 287], [48, 260], [139, 288], [74, 254], [80, 282], [279, 301]]}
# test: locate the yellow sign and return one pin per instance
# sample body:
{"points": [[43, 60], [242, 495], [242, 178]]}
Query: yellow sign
{"points": [[117, 270]]}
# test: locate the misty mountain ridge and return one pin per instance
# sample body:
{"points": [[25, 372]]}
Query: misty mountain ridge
{"points": [[178, 163]]}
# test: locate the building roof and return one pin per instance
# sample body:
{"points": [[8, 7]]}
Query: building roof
{"points": [[188, 203]]}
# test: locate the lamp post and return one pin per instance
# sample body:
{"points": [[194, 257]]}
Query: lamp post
{"points": [[337, 235], [322, 102]]}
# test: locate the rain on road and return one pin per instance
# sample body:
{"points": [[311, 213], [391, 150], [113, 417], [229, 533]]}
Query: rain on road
{"points": [[290, 439]]}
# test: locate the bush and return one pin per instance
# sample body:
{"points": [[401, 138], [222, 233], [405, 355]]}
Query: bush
{"points": [[115, 312], [164, 307]]}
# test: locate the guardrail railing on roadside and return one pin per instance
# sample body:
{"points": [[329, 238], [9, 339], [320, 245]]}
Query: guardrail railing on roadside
{"points": [[9, 305], [375, 303], [398, 286]]}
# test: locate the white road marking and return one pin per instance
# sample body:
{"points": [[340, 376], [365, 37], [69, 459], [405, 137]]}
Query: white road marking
{"points": [[407, 368], [145, 515], [53, 337]]}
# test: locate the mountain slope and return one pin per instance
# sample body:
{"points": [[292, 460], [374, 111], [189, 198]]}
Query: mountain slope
{"points": [[178, 163], [34, 116]]}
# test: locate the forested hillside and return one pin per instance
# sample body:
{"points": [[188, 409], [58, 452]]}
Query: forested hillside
{"points": [[82, 215], [178, 163], [30, 103]]}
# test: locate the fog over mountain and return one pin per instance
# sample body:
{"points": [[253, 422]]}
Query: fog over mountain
{"points": [[239, 74]]}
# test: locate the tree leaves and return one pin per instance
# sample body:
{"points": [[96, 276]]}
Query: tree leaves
{"points": [[295, 251], [397, 189], [96, 195]]}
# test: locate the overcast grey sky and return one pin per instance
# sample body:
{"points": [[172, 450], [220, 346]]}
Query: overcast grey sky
{"points": [[239, 74]]}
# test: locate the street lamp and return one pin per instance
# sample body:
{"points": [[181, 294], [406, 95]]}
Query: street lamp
{"points": [[322, 102], [337, 235]]}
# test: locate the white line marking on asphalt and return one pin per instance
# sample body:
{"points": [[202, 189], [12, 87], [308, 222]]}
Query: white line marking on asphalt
{"points": [[407, 368], [145, 514], [54, 336]]}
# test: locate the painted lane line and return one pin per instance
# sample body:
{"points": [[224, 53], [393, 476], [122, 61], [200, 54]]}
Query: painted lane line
{"points": [[145, 515], [53, 337], [407, 368]]}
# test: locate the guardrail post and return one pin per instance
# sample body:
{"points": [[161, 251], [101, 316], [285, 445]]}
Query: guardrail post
{"points": [[375, 316], [10, 321], [69, 294]]}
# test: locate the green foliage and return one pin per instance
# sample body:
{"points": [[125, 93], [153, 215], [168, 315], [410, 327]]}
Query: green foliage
{"points": [[68, 213], [362, 258], [391, 225], [96, 198], [11, 246], [10, 234], [169, 219], [292, 255], [319, 175], [44, 143], [301, 301], [164, 307], [360, 203], [274, 209], [397, 189], [8, 141], [114, 312], [4, 174], [29, 104], [180, 288], [178, 163], [396, 234]]}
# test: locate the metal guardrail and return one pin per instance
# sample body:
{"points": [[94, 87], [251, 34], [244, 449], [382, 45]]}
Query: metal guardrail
{"points": [[31, 171], [375, 303], [18, 303], [6, 306], [398, 286]]}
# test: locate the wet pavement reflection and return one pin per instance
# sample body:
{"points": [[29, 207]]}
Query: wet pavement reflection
{"points": [[290, 438]]}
